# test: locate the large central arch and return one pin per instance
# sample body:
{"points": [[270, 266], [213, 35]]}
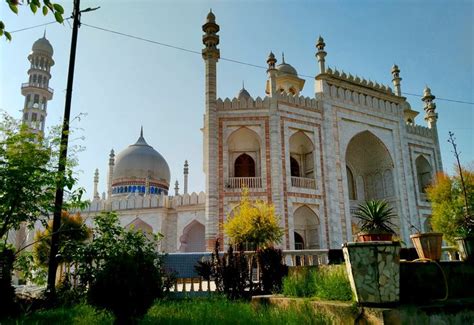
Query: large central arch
{"points": [[369, 170]]}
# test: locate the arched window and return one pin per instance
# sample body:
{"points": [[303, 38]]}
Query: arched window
{"points": [[423, 171], [351, 184], [244, 166]]}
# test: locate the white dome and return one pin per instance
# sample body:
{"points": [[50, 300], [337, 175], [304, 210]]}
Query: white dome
{"points": [[140, 161], [43, 45], [286, 68]]}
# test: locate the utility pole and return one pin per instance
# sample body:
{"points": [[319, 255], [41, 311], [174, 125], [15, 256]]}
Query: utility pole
{"points": [[58, 201]]}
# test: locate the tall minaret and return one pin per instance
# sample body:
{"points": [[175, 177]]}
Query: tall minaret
{"points": [[111, 172], [186, 173], [211, 55], [96, 183], [396, 80], [36, 91], [431, 117], [321, 54]]}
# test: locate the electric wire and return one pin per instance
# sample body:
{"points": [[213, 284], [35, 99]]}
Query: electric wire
{"points": [[199, 52]]}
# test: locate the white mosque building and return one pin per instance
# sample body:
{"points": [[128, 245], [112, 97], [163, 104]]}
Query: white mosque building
{"points": [[315, 158]]}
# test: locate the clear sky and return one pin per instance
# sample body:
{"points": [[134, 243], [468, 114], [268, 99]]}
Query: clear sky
{"points": [[122, 83]]}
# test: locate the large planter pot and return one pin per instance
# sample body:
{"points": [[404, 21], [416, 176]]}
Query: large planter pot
{"points": [[374, 271], [466, 249], [428, 245], [365, 237]]}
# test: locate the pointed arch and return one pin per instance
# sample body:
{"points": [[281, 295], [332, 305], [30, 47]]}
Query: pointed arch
{"points": [[244, 153], [369, 158], [301, 155], [306, 224], [423, 172], [192, 239]]}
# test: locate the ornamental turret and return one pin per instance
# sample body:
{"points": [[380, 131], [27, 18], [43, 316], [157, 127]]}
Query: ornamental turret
{"points": [[185, 174], [96, 184], [396, 80], [37, 91], [430, 108], [321, 54]]}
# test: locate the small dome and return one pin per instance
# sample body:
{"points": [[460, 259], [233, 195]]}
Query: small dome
{"points": [[286, 68], [140, 161], [211, 18], [243, 93], [43, 45]]}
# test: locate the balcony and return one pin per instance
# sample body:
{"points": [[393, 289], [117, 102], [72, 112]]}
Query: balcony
{"points": [[36, 85], [241, 182], [303, 182]]}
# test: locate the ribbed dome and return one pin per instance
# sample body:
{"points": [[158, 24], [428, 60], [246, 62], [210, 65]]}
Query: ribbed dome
{"points": [[140, 161], [43, 45]]}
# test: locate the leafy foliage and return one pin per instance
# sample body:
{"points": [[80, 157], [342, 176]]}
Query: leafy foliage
{"points": [[449, 215], [28, 175], [127, 284], [45, 6], [254, 223], [72, 229], [120, 269], [28, 270], [375, 217]]}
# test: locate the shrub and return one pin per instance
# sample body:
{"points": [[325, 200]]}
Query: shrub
{"points": [[272, 269], [127, 285], [325, 282], [254, 223]]}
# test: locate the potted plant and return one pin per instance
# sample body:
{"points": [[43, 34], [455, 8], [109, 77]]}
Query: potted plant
{"points": [[375, 221], [465, 240], [428, 245], [373, 262]]}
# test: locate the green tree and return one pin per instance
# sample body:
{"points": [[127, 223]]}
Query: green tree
{"points": [[253, 223], [44, 6], [449, 214], [28, 176]]}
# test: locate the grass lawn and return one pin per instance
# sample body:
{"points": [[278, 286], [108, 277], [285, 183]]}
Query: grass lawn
{"points": [[190, 311]]}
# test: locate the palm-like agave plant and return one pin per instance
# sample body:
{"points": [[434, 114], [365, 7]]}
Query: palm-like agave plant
{"points": [[375, 216]]}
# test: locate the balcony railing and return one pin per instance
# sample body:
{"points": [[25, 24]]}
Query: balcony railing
{"points": [[241, 182], [303, 182], [37, 85]]}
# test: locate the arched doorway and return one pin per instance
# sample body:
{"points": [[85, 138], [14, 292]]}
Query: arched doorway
{"points": [[301, 155], [299, 242], [244, 166], [306, 226], [192, 239], [295, 167]]}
